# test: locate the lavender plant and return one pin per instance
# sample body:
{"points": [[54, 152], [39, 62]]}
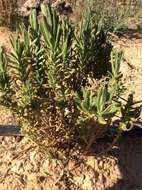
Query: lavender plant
{"points": [[63, 82]]}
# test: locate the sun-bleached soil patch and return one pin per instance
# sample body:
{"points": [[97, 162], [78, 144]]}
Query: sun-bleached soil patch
{"points": [[132, 65]]}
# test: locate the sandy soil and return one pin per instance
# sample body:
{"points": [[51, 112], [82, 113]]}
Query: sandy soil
{"points": [[23, 166], [131, 68]]}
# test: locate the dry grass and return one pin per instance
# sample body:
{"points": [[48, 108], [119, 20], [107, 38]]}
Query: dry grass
{"points": [[8, 12], [116, 15]]}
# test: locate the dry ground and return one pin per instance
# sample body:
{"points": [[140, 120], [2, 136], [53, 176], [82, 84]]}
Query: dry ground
{"points": [[23, 166]]}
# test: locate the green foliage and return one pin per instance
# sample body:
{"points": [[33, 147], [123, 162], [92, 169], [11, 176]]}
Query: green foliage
{"points": [[90, 40], [58, 41], [4, 77], [62, 81], [100, 104], [97, 106], [116, 86]]}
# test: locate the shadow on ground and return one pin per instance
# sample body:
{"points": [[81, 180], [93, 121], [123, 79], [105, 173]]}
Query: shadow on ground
{"points": [[129, 157], [132, 33]]}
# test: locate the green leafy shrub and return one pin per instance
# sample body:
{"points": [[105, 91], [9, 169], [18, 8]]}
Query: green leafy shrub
{"points": [[64, 82]]}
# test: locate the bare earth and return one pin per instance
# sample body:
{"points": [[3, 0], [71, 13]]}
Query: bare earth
{"points": [[23, 166]]}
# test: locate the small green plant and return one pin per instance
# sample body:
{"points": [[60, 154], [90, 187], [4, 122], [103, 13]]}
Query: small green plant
{"points": [[63, 82]]}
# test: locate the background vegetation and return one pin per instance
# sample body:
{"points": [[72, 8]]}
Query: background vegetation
{"points": [[113, 15]]}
